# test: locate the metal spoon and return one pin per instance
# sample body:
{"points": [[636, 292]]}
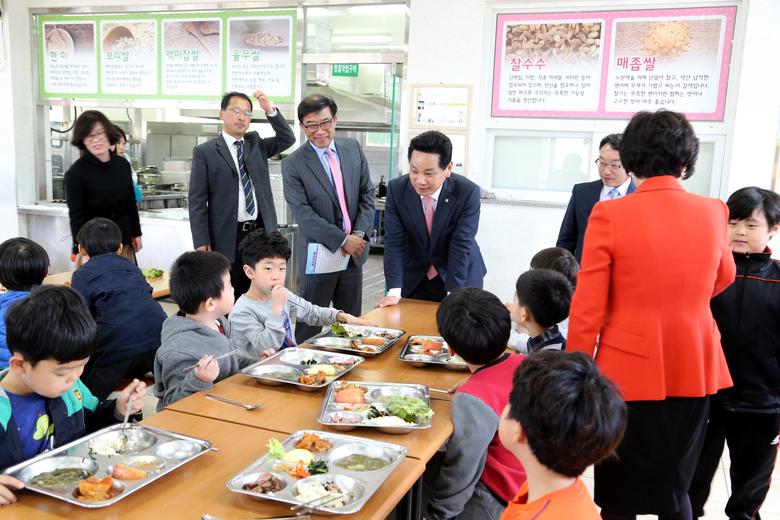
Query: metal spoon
{"points": [[123, 437], [247, 406]]}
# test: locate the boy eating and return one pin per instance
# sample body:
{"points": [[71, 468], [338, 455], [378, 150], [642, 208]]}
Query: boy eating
{"points": [[51, 336], [562, 416], [264, 319]]}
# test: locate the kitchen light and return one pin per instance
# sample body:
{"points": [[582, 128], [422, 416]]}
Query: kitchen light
{"points": [[378, 9], [362, 38]]}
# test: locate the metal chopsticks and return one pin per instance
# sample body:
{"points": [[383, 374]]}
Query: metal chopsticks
{"points": [[267, 290], [231, 353]]}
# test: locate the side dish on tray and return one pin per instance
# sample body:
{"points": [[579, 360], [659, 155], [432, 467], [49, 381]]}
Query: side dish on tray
{"points": [[370, 340]]}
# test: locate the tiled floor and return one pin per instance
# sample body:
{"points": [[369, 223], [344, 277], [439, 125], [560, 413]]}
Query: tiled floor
{"points": [[374, 290]]}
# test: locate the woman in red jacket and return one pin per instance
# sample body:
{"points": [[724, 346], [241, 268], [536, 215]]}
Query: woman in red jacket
{"points": [[651, 262]]}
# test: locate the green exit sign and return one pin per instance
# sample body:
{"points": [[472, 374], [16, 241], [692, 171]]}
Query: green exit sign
{"points": [[345, 69]]}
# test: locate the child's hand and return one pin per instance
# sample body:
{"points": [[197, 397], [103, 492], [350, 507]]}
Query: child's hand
{"points": [[266, 353], [207, 369], [352, 320], [457, 385], [6, 485], [137, 389], [279, 299]]}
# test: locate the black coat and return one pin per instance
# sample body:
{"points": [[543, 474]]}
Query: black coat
{"points": [[102, 189], [748, 316]]}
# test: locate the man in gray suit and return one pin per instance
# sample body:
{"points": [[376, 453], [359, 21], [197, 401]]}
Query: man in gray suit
{"points": [[328, 187], [230, 191]]}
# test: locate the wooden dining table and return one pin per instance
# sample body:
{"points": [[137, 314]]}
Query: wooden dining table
{"points": [[160, 284]]}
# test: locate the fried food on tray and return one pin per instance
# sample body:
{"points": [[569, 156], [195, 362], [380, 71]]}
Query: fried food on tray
{"points": [[378, 342], [313, 443], [340, 385], [354, 344], [419, 340], [94, 490], [320, 378]]}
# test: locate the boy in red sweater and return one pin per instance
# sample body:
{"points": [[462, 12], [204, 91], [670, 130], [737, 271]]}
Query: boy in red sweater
{"points": [[562, 416]]}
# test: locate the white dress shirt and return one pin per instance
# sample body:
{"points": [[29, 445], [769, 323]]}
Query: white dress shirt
{"points": [[622, 189]]}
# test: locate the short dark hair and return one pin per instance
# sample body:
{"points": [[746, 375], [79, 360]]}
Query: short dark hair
{"points": [[613, 140], [558, 259], [432, 142], [659, 143], [261, 244], [572, 415], [100, 235], [121, 132], [83, 127], [230, 95], [195, 277], [52, 322], [23, 264], [744, 201], [475, 324], [315, 103], [546, 294]]}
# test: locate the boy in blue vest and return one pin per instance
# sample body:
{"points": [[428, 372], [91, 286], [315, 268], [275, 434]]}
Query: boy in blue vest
{"points": [[51, 336], [478, 474]]}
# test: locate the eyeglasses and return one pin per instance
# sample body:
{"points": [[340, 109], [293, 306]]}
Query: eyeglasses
{"points": [[97, 136], [603, 165], [324, 125], [239, 111]]}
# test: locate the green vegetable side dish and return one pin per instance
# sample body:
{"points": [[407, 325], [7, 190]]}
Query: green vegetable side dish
{"points": [[60, 477], [339, 331], [410, 409], [275, 449], [152, 273], [317, 467]]}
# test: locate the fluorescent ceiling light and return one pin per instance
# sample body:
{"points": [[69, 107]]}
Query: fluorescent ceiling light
{"points": [[369, 46], [376, 9], [359, 38], [321, 11]]}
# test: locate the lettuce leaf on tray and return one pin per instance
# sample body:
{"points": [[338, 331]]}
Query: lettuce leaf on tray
{"points": [[409, 409]]}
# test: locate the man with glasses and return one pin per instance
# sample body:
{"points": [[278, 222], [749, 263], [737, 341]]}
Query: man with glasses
{"points": [[615, 182], [230, 190], [329, 188]]}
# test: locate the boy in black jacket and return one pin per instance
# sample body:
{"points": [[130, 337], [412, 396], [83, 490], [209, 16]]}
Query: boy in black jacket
{"points": [[120, 299], [747, 415]]}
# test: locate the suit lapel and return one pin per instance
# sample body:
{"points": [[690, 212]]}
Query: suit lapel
{"points": [[443, 210], [415, 210], [318, 171], [345, 163], [594, 194], [222, 148]]}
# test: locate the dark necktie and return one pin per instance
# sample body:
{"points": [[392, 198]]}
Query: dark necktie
{"points": [[246, 182]]}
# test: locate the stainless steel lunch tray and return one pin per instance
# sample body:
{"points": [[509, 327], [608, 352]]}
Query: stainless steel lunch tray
{"points": [[326, 340], [375, 391], [157, 452], [421, 360], [289, 360], [362, 483]]}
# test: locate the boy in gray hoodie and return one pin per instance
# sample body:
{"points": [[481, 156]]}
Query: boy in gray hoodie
{"points": [[199, 332], [263, 315]]}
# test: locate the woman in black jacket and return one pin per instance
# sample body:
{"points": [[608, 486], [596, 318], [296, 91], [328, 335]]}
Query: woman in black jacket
{"points": [[100, 184]]}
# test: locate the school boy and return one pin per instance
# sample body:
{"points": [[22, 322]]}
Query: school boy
{"points": [[542, 300], [478, 475], [747, 415], [199, 332], [51, 336], [23, 266], [120, 299], [562, 416], [264, 319]]}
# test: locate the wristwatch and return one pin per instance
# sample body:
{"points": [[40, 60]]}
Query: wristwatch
{"points": [[360, 234]]}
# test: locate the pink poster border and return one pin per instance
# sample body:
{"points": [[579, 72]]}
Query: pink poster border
{"points": [[609, 17]]}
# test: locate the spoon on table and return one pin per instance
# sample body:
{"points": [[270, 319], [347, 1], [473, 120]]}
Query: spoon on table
{"points": [[247, 406], [123, 437], [191, 29], [207, 29]]}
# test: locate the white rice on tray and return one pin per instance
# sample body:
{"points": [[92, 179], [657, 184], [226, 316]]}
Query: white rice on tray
{"points": [[108, 448], [314, 490], [390, 421]]}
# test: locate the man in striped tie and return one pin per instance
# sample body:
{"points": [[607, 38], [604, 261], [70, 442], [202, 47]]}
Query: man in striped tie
{"points": [[230, 190]]}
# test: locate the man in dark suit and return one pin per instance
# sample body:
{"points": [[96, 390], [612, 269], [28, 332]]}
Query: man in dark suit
{"points": [[329, 189], [230, 191], [615, 182], [431, 221]]}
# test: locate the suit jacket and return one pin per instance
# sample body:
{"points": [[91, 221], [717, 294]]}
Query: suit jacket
{"points": [[583, 197], [451, 248], [311, 196], [214, 183], [651, 264]]}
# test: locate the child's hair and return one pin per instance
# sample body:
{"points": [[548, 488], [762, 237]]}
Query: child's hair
{"points": [[557, 259], [261, 244], [743, 201], [546, 294], [475, 323], [100, 235], [195, 277], [23, 264], [572, 415], [52, 322]]}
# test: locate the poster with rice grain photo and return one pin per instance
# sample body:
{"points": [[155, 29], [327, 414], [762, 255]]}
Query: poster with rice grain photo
{"points": [[192, 57], [69, 58], [261, 54], [128, 64]]}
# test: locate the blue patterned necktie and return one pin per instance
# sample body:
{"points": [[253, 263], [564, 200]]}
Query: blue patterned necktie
{"points": [[246, 182], [288, 336], [613, 193]]}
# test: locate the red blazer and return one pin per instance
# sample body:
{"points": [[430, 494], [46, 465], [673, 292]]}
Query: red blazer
{"points": [[650, 265]]}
